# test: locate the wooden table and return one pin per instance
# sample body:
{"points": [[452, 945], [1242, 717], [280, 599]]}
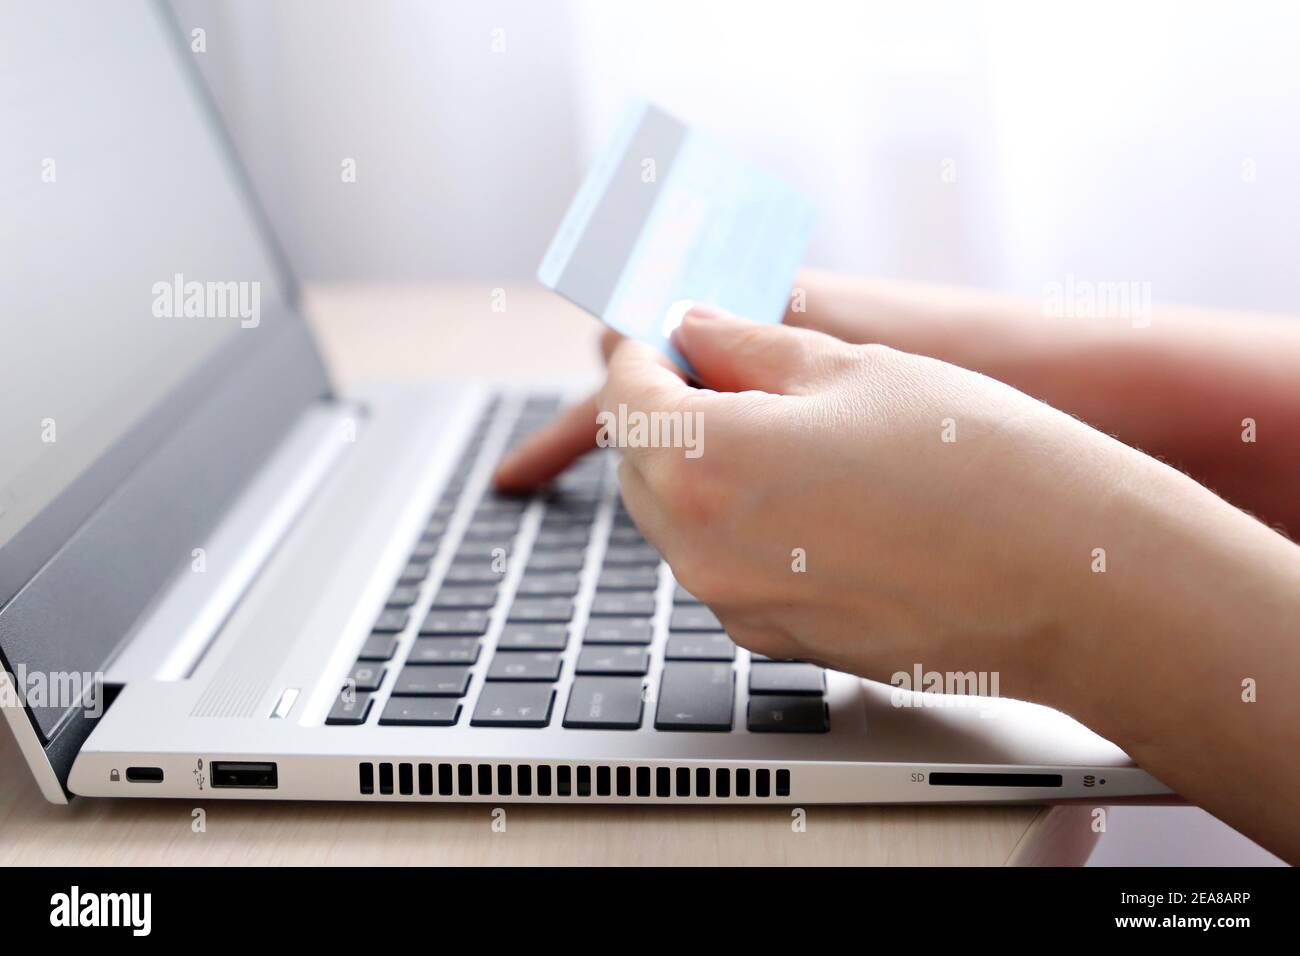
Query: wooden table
{"points": [[440, 330]]}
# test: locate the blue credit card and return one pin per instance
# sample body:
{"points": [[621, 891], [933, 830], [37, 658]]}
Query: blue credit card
{"points": [[667, 218]]}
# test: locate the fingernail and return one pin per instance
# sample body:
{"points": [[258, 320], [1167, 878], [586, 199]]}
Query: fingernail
{"points": [[675, 339], [701, 311]]}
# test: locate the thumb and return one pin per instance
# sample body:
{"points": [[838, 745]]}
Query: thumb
{"points": [[730, 354]]}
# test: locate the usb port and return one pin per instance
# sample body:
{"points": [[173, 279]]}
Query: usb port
{"points": [[243, 775]]}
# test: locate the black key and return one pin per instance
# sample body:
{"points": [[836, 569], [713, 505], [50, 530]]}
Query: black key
{"points": [[581, 472], [349, 708], [450, 623], [557, 561], [475, 572], [560, 502], [628, 579], [420, 712], [444, 650], [514, 705], [618, 630], [391, 621], [630, 556], [533, 637], [541, 406], [541, 610], [625, 534], [512, 665], [559, 539], [414, 572], [463, 599], [695, 696], [503, 500], [693, 618], [378, 647], [579, 496], [366, 677], [700, 646], [424, 550], [604, 703], [487, 549], [506, 523], [497, 505], [683, 596], [560, 521], [613, 659], [788, 715], [548, 585], [404, 595], [434, 681], [578, 481], [788, 679], [623, 604], [495, 529]]}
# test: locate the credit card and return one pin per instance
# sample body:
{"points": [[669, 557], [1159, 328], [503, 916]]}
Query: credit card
{"points": [[667, 218]]}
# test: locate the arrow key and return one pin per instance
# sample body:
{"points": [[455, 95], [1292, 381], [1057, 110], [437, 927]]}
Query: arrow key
{"points": [[695, 696], [508, 704]]}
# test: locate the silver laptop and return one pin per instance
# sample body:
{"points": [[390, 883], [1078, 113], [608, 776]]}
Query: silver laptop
{"points": [[291, 593]]}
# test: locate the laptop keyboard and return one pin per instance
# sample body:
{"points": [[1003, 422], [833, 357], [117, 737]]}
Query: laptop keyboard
{"points": [[427, 658]]}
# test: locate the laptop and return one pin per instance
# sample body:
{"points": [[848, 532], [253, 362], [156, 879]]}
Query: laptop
{"points": [[222, 578]]}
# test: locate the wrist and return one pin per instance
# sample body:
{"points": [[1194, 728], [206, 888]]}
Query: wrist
{"points": [[1190, 596]]}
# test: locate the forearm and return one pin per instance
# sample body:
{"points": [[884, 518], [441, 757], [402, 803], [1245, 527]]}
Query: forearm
{"points": [[1186, 652], [1188, 387]]}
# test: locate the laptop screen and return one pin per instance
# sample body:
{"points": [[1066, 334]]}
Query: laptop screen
{"points": [[151, 357], [130, 253]]}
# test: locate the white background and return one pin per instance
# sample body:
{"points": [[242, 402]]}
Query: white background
{"points": [[1108, 141]]}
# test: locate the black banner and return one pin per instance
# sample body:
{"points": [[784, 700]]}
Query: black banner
{"points": [[248, 908]]}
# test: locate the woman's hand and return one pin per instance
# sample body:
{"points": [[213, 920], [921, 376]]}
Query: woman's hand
{"points": [[868, 508], [860, 506]]}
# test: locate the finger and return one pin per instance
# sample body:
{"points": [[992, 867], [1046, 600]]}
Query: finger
{"points": [[731, 354], [554, 447], [808, 285], [608, 342], [549, 450], [641, 379], [769, 641], [641, 504]]}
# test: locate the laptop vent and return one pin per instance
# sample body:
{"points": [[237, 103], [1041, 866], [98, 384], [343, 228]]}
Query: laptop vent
{"points": [[563, 780]]}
